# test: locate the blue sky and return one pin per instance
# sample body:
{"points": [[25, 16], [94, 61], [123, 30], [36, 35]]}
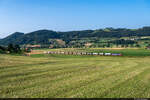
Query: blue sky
{"points": [[65, 15]]}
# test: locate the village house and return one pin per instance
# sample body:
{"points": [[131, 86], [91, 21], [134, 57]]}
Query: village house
{"points": [[33, 46]]}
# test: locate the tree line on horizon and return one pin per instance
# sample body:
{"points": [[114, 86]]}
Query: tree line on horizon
{"points": [[11, 49]]}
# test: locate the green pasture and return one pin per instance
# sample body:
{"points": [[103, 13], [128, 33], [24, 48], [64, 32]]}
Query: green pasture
{"points": [[68, 76]]}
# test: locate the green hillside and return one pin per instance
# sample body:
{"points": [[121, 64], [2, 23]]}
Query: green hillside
{"points": [[107, 37]]}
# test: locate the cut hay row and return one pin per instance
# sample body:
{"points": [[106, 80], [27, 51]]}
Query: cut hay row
{"points": [[89, 76]]}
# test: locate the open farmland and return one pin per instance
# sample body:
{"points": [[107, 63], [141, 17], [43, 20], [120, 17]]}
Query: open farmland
{"points": [[74, 76]]}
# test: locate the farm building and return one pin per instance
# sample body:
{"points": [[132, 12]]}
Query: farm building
{"points": [[33, 46]]}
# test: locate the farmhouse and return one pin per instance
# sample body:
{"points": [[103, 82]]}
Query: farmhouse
{"points": [[33, 46], [88, 44]]}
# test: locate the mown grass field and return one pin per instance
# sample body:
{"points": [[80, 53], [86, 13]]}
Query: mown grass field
{"points": [[71, 76]]}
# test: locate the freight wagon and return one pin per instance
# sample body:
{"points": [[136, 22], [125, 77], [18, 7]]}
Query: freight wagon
{"points": [[95, 53], [101, 54], [107, 54], [116, 54]]}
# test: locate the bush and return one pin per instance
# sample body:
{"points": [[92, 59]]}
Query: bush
{"points": [[14, 48], [2, 49]]}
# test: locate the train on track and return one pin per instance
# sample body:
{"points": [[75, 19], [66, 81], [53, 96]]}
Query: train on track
{"points": [[83, 53]]}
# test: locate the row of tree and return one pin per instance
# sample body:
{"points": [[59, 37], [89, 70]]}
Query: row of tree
{"points": [[11, 49]]}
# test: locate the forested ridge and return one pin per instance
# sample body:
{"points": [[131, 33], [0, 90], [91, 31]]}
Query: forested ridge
{"points": [[47, 36]]}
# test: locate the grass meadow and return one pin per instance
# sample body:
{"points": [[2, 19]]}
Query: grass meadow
{"points": [[70, 76]]}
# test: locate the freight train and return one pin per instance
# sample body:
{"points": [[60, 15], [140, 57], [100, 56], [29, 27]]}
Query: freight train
{"points": [[84, 53]]}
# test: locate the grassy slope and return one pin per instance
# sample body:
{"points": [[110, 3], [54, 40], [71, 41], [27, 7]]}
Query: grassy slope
{"points": [[74, 76]]}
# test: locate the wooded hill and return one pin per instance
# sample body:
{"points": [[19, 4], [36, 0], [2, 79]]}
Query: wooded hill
{"points": [[49, 36]]}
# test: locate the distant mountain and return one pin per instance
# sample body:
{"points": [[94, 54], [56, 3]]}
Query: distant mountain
{"points": [[37, 37], [11, 39], [48, 36]]}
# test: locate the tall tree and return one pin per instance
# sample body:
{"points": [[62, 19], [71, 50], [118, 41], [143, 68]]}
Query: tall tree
{"points": [[11, 48]]}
